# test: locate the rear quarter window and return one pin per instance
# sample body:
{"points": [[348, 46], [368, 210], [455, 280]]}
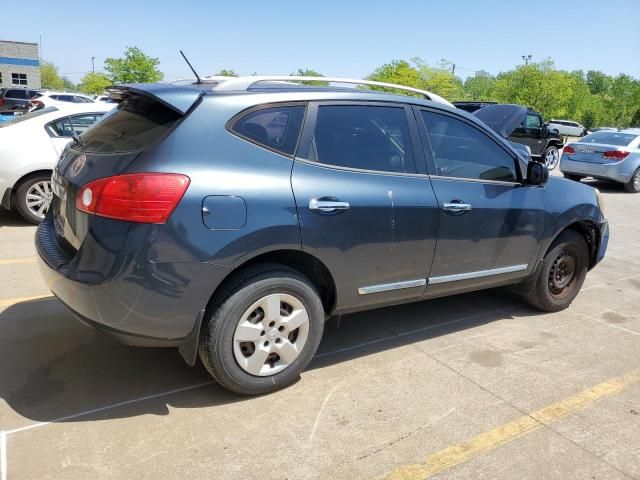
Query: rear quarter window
{"points": [[135, 124], [275, 128]]}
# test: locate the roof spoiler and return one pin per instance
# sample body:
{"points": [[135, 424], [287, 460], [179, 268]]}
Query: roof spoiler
{"points": [[179, 98]]}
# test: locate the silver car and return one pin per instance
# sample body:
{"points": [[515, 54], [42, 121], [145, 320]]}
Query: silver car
{"points": [[605, 155]]}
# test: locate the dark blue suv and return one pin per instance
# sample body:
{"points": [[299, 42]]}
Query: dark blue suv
{"points": [[232, 219]]}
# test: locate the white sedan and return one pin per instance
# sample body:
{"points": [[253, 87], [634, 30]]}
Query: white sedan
{"points": [[29, 149], [567, 128], [49, 98]]}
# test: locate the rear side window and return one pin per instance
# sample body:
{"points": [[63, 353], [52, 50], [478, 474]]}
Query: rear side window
{"points": [[462, 151], [19, 94], [363, 137], [276, 128], [136, 123]]}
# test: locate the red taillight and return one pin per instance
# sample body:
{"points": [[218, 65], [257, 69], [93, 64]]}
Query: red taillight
{"points": [[137, 197], [615, 155], [568, 150], [36, 103]]}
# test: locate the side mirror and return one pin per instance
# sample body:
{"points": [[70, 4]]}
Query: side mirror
{"points": [[537, 173]]}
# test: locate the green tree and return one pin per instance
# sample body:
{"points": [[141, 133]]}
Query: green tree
{"points": [[399, 72], [94, 83], [50, 79], [479, 87], [307, 72], [598, 82], [134, 67], [227, 73]]}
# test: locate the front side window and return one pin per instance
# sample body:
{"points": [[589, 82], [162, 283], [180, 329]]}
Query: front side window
{"points": [[80, 123], [462, 151], [363, 137], [276, 128], [532, 121], [19, 79]]}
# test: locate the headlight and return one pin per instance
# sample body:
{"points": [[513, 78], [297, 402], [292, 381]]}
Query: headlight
{"points": [[600, 199]]}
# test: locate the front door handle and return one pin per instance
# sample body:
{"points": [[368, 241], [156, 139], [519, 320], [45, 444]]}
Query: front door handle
{"points": [[327, 206], [457, 207]]}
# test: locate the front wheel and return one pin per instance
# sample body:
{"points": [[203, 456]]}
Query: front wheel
{"points": [[33, 197], [561, 275], [262, 331], [633, 185], [551, 157]]}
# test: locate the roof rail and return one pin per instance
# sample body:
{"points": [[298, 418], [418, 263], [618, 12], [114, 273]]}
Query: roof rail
{"points": [[245, 83]]}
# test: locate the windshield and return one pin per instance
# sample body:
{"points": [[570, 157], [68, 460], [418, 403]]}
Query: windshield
{"points": [[610, 138], [502, 119], [28, 116]]}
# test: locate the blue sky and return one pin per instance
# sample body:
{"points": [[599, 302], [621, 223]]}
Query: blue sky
{"points": [[338, 38]]}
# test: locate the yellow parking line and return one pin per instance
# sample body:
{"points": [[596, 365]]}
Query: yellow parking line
{"points": [[7, 302], [13, 261], [487, 441]]}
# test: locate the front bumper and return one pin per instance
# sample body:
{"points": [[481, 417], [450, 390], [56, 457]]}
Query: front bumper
{"points": [[618, 172], [136, 302]]}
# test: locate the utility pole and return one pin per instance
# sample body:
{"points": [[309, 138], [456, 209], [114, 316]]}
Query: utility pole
{"points": [[93, 65], [453, 65], [526, 59], [40, 42]]}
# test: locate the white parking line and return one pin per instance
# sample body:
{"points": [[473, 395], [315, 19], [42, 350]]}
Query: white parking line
{"points": [[3, 455], [606, 284]]}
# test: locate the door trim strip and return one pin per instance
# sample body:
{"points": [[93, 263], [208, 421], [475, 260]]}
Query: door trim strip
{"points": [[478, 274], [385, 287]]}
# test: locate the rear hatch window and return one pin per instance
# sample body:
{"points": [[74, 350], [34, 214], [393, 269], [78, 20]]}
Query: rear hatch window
{"points": [[137, 123]]}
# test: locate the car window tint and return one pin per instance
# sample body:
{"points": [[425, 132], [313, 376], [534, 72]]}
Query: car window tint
{"points": [[532, 121], [62, 127], [19, 94], [80, 123], [136, 123], [65, 98], [277, 128], [461, 150], [363, 137]]}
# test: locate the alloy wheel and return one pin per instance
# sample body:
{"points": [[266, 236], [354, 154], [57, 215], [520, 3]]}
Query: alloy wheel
{"points": [[38, 198], [271, 334], [551, 158]]}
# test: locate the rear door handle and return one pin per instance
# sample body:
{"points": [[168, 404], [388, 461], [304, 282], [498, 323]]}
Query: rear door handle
{"points": [[327, 206], [457, 207]]}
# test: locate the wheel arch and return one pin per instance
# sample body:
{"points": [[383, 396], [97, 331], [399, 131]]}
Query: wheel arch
{"points": [[589, 231], [19, 181], [298, 260]]}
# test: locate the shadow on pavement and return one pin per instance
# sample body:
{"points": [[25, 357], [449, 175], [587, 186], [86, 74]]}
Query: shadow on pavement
{"points": [[53, 366], [12, 219]]}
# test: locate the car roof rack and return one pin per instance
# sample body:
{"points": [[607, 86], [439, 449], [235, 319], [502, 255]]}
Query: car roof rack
{"points": [[245, 83]]}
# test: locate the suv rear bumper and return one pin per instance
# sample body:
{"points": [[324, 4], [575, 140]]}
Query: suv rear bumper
{"points": [[138, 302]]}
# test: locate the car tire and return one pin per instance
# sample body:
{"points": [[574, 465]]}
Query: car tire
{"points": [[245, 343], [33, 197], [559, 277], [633, 185], [551, 157], [575, 178]]}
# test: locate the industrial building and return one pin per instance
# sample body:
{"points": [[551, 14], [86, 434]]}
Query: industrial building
{"points": [[19, 64]]}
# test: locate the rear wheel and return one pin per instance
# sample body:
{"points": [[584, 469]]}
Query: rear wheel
{"points": [[33, 197], [633, 185], [551, 157], [263, 330], [561, 274]]}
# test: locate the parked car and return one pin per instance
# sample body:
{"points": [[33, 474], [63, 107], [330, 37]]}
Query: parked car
{"points": [[568, 128], [30, 145], [605, 155], [54, 99], [524, 125], [599, 129], [105, 99], [15, 97], [232, 220]]}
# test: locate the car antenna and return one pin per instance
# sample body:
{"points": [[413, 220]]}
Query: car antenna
{"points": [[191, 66]]}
